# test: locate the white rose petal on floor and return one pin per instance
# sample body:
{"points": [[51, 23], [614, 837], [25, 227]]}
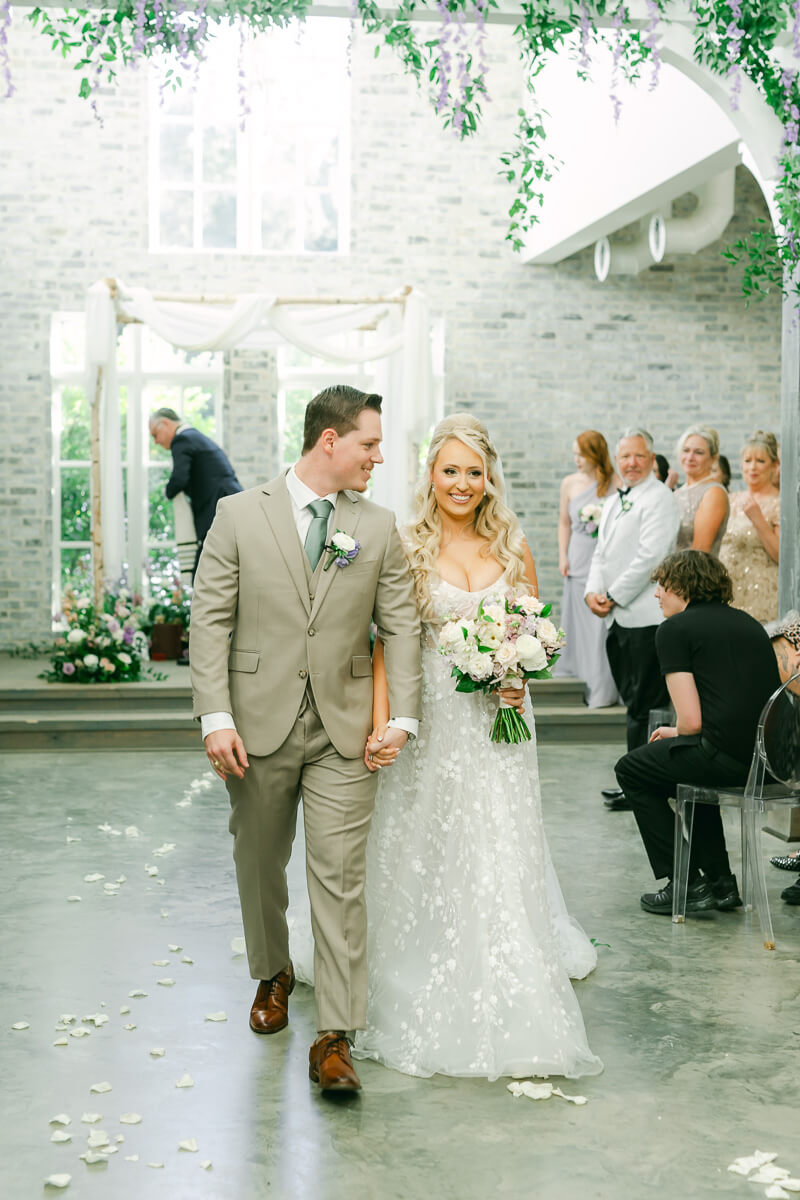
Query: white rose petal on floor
{"points": [[185, 1081], [98, 1138], [20, 1025], [60, 1119], [157, 1052], [131, 1119], [60, 1135], [58, 1181], [161, 962], [73, 899], [94, 878], [189, 1144], [138, 994], [216, 1016], [61, 1042], [541, 1091], [91, 1118], [101, 1088], [166, 982]]}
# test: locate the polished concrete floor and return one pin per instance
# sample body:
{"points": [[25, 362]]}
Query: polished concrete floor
{"points": [[698, 1026]]}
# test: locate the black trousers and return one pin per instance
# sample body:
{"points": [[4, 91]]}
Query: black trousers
{"points": [[649, 776], [634, 665]]}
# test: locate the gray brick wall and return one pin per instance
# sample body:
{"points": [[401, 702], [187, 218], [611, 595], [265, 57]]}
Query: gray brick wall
{"points": [[539, 352]]}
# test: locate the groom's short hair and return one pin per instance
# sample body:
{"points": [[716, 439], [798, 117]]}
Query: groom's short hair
{"points": [[337, 407]]}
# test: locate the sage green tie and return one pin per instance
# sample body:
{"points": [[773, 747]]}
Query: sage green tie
{"points": [[317, 531]]}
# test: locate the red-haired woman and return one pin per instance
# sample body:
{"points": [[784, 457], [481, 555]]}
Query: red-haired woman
{"points": [[582, 496]]}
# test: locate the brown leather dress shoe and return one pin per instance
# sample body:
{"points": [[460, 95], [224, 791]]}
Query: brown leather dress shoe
{"points": [[270, 1011], [330, 1065]]}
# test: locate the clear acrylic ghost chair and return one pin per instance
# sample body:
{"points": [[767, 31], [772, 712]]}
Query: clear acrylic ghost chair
{"points": [[658, 717], [776, 754]]}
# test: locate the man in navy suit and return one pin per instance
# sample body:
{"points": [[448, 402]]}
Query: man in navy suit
{"points": [[200, 468]]}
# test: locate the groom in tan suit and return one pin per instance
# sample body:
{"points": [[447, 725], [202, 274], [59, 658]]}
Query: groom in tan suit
{"points": [[282, 683]]}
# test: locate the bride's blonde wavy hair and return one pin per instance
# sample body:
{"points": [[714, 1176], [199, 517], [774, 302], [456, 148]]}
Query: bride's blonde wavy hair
{"points": [[494, 520]]}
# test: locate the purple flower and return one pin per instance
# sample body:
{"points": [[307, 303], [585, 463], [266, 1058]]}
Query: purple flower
{"points": [[5, 69], [68, 668], [127, 634]]}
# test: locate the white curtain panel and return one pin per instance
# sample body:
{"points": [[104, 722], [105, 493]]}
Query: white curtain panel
{"points": [[256, 320]]}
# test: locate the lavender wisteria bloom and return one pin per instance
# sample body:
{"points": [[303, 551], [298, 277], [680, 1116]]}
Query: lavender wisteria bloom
{"points": [[796, 28], [440, 102], [480, 39], [735, 33], [651, 41], [584, 59], [5, 63], [616, 104]]}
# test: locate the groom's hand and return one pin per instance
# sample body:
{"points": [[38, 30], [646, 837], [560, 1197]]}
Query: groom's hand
{"points": [[226, 753]]}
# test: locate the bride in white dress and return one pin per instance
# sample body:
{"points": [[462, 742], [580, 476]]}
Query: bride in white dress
{"points": [[470, 947]]}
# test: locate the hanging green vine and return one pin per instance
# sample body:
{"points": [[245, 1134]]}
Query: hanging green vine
{"points": [[735, 39]]}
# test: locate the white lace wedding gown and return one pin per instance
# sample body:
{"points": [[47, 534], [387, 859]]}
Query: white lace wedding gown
{"points": [[470, 946]]}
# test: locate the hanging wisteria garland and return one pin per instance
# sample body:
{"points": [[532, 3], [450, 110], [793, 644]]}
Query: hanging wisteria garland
{"points": [[734, 38]]}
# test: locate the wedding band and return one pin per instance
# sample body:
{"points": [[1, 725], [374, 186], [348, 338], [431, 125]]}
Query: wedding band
{"points": [[215, 762]]}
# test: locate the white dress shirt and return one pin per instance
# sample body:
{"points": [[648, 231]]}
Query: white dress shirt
{"points": [[300, 495]]}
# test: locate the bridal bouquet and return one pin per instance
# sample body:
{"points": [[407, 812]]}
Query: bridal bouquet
{"points": [[511, 640], [589, 517]]}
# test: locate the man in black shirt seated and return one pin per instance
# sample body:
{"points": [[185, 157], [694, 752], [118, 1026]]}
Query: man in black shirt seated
{"points": [[720, 671]]}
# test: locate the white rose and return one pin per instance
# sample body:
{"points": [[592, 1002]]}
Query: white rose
{"points": [[491, 634], [343, 541], [508, 655], [450, 635], [124, 658], [546, 632], [478, 665], [532, 656], [75, 636], [531, 605], [90, 661], [494, 612], [83, 603]]}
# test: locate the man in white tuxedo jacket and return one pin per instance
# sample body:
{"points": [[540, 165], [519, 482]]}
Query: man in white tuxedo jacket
{"points": [[637, 530]]}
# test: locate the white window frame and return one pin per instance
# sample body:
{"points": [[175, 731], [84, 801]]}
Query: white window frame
{"points": [[137, 462], [247, 189]]}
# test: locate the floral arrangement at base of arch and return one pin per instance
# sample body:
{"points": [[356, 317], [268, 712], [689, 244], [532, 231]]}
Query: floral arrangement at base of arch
{"points": [[99, 647]]}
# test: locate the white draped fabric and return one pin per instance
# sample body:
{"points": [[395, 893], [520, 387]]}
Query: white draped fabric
{"points": [[401, 348]]}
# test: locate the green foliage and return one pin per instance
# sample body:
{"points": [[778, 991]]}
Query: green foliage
{"points": [[103, 41], [170, 605]]}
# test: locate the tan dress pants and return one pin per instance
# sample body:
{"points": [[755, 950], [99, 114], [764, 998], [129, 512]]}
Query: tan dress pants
{"points": [[338, 799]]}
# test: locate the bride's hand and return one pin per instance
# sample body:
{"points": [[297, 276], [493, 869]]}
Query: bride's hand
{"points": [[383, 757], [513, 696]]}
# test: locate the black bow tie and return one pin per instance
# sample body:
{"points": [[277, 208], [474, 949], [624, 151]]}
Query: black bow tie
{"points": [[622, 492]]}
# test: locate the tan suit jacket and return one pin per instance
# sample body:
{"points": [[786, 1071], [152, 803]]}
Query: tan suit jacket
{"points": [[263, 628]]}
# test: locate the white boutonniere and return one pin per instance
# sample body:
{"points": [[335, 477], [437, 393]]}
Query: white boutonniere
{"points": [[341, 549]]}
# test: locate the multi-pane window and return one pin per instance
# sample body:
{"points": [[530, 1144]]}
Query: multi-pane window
{"points": [[300, 377], [151, 374], [265, 171]]}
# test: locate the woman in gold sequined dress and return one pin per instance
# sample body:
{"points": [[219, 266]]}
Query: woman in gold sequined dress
{"points": [[750, 546]]}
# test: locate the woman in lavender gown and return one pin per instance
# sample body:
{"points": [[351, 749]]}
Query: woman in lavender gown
{"points": [[583, 493]]}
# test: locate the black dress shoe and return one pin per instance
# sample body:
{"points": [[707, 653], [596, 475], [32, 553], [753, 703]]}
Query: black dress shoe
{"points": [[612, 793], [620, 803], [726, 893], [787, 862], [699, 898], [791, 894]]}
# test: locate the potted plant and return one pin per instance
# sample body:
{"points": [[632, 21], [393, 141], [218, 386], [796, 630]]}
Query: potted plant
{"points": [[167, 622]]}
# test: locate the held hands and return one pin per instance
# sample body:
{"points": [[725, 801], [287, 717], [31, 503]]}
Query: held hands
{"points": [[663, 731], [226, 753], [599, 603], [383, 746]]}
